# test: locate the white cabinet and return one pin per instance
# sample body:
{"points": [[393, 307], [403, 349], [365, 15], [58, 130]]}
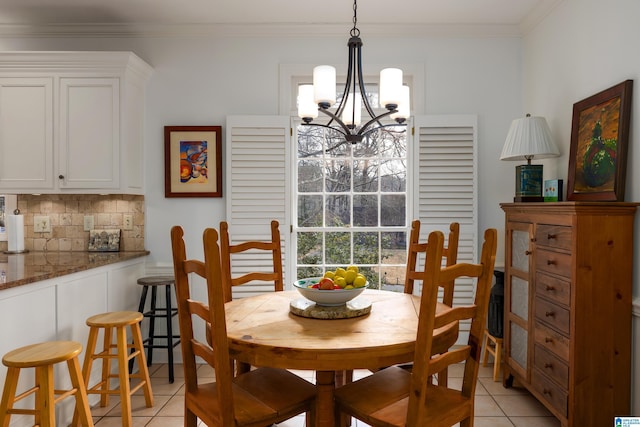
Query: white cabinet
{"points": [[72, 122]]}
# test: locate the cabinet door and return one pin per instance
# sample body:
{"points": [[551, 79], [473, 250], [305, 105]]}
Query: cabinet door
{"points": [[26, 133], [518, 297], [89, 133]]}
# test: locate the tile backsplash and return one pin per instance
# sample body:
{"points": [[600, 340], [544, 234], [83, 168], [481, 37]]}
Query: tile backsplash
{"points": [[67, 212]]}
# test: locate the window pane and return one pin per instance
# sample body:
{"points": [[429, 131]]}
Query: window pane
{"points": [[337, 175], [392, 142], [393, 210], [392, 278], [393, 176], [310, 141], [310, 248], [394, 247], [309, 176], [305, 272], [309, 211], [338, 248], [338, 211], [365, 176], [365, 248], [365, 210]]}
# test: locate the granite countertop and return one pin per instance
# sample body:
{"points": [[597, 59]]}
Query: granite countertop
{"points": [[21, 269]]}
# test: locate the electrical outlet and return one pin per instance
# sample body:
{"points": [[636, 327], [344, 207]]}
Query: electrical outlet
{"points": [[41, 224], [88, 223], [127, 222]]}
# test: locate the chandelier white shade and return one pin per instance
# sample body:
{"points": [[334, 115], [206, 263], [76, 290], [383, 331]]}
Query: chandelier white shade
{"points": [[347, 118]]}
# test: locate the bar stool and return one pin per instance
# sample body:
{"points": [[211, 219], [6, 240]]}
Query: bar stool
{"points": [[42, 357], [154, 311], [493, 345], [118, 320]]}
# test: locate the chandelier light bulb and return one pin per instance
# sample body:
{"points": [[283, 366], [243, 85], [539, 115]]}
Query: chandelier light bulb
{"points": [[324, 84], [351, 117], [390, 88], [404, 110], [307, 108]]}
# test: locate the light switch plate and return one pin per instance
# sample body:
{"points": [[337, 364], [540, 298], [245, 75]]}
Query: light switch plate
{"points": [[88, 223]]}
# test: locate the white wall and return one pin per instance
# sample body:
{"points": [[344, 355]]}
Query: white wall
{"points": [[199, 80], [583, 47]]}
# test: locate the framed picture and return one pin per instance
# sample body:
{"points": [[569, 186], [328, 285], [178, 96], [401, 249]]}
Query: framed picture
{"points": [[193, 161], [599, 140], [104, 240], [8, 203]]}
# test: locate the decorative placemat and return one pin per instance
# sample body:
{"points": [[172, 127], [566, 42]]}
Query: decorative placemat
{"points": [[355, 308]]}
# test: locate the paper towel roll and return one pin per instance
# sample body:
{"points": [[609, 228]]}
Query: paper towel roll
{"points": [[15, 233]]}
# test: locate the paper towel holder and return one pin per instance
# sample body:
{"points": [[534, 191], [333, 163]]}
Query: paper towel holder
{"points": [[23, 251]]}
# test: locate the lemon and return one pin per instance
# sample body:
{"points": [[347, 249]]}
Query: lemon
{"points": [[349, 287], [353, 267], [340, 272], [330, 274], [340, 281], [350, 276], [360, 281]]}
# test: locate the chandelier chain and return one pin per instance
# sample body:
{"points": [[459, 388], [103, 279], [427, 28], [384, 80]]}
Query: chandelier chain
{"points": [[355, 32]]}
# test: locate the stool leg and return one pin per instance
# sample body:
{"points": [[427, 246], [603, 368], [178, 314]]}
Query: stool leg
{"points": [[497, 360], [125, 387], [143, 301], [169, 331], [152, 324], [45, 399], [82, 401], [106, 366], [485, 344], [8, 395], [144, 372]]}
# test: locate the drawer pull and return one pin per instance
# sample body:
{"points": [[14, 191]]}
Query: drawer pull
{"points": [[550, 288], [549, 313], [548, 365], [551, 236], [546, 392], [551, 262], [60, 176], [548, 339], [527, 252]]}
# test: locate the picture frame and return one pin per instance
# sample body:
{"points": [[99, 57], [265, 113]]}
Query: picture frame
{"points": [[599, 141], [193, 161], [8, 203], [104, 240]]}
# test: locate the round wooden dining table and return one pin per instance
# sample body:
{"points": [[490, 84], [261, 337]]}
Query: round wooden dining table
{"points": [[263, 332]]}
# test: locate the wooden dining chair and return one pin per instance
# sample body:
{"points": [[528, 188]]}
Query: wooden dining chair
{"points": [[265, 256], [414, 273], [398, 397], [260, 397]]}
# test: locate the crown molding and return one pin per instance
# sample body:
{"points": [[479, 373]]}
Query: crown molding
{"points": [[253, 30]]}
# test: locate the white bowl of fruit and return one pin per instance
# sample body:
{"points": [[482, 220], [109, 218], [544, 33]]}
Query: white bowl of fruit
{"points": [[334, 288]]}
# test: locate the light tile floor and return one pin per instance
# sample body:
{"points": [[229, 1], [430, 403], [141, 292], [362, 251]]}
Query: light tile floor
{"points": [[496, 406]]}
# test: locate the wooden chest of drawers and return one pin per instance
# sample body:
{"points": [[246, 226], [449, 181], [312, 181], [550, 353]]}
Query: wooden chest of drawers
{"points": [[568, 293]]}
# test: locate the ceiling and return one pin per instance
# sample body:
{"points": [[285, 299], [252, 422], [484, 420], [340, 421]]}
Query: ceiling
{"points": [[515, 13]]}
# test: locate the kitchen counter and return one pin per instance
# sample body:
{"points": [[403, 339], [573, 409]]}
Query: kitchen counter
{"points": [[22, 269]]}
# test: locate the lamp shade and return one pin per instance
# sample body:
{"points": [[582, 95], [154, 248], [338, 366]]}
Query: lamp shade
{"points": [[529, 137]]}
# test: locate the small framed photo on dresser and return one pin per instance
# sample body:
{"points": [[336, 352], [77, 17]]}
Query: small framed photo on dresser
{"points": [[553, 190]]}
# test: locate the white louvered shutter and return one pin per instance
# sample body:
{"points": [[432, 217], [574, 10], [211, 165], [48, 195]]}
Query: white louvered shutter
{"points": [[257, 189], [445, 186]]}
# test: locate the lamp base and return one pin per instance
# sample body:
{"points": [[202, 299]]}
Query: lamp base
{"points": [[528, 183]]}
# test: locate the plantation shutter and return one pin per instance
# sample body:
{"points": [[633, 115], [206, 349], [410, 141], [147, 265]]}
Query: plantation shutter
{"points": [[445, 186], [257, 189]]}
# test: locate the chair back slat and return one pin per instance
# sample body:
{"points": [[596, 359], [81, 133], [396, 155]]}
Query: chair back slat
{"points": [[272, 273]]}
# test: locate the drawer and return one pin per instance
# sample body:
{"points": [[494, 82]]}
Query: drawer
{"points": [[554, 236], [553, 341], [553, 315], [554, 395], [552, 366], [553, 288], [553, 262]]}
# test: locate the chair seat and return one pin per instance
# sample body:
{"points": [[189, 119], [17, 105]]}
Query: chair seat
{"points": [[114, 319], [42, 354]]}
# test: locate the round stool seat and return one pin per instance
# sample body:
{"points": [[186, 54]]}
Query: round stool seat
{"points": [[156, 281], [114, 318], [42, 354]]}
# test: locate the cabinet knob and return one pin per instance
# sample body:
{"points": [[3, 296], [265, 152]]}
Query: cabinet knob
{"points": [[549, 314], [551, 236], [60, 176], [551, 262], [546, 392], [527, 252], [548, 339], [550, 288], [548, 365]]}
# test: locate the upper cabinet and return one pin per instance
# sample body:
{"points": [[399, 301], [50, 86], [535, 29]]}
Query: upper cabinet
{"points": [[72, 122]]}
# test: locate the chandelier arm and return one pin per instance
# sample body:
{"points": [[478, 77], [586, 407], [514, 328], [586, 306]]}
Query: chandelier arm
{"points": [[346, 132], [366, 134], [363, 129], [363, 90], [345, 92]]}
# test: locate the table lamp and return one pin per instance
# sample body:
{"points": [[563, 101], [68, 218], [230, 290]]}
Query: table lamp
{"points": [[529, 137]]}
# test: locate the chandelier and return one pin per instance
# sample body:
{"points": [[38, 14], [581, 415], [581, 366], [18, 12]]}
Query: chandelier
{"points": [[347, 118]]}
